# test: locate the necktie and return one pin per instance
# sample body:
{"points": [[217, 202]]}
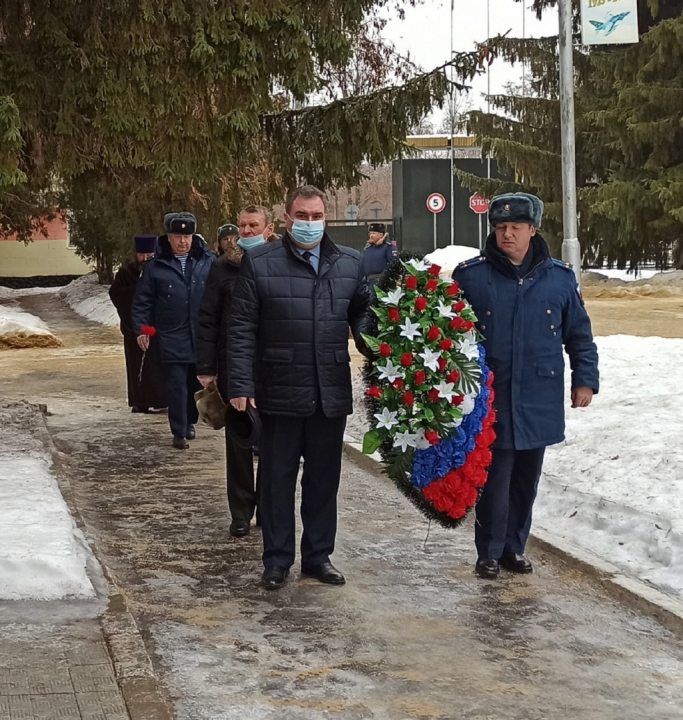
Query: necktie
{"points": [[307, 256]]}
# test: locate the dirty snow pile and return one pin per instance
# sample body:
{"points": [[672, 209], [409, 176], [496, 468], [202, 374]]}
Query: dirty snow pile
{"points": [[90, 299], [21, 329], [451, 256], [43, 556], [615, 486], [13, 293]]}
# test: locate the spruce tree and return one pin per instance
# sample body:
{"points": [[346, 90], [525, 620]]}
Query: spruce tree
{"points": [[629, 104]]}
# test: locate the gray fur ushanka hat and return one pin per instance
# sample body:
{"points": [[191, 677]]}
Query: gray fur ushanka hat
{"points": [[516, 207]]}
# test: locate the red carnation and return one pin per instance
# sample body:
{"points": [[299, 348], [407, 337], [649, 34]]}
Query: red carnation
{"points": [[453, 377], [411, 283], [432, 437], [409, 399], [433, 395], [420, 377], [434, 270], [407, 359], [394, 315], [446, 344], [431, 285], [443, 364], [457, 324], [375, 392], [468, 325], [397, 384], [149, 330], [421, 304], [385, 350], [458, 400], [459, 306], [434, 333], [453, 290]]}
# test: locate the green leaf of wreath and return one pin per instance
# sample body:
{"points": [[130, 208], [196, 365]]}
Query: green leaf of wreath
{"points": [[372, 343], [371, 442], [470, 374]]}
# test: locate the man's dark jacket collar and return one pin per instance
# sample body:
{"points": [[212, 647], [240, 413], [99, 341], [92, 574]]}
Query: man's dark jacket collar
{"points": [[198, 249], [501, 262]]}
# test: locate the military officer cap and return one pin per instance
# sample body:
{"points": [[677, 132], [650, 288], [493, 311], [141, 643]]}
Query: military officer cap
{"points": [[145, 244], [182, 223], [516, 208], [377, 227], [227, 231]]}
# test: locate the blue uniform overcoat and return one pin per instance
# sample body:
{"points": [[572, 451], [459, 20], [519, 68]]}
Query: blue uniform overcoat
{"points": [[375, 258], [526, 320], [169, 300]]}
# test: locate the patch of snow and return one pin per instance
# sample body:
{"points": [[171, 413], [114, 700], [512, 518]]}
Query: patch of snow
{"points": [[625, 275], [43, 555], [13, 293], [13, 320], [451, 256], [615, 486], [90, 299]]}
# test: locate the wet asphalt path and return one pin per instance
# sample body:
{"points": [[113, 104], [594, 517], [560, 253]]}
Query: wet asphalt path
{"points": [[412, 635]]}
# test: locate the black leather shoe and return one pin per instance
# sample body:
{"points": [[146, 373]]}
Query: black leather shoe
{"points": [[239, 528], [136, 409], [517, 564], [487, 569], [180, 443], [325, 572], [191, 434], [274, 577]]}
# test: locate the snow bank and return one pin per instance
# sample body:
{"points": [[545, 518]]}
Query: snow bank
{"points": [[90, 299], [13, 293], [615, 486], [451, 256], [20, 329]]}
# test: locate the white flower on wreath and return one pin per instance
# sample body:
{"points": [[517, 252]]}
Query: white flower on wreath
{"points": [[390, 372], [421, 442], [386, 419], [468, 346], [430, 359], [410, 330], [393, 297], [446, 310], [404, 440], [420, 265], [446, 390], [468, 404]]}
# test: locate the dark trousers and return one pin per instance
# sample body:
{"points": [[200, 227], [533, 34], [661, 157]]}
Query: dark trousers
{"points": [[239, 467], [181, 385], [284, 441], [504, 508]]}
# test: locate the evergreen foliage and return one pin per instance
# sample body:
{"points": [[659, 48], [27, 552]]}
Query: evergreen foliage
{"points": [[629, 135]]}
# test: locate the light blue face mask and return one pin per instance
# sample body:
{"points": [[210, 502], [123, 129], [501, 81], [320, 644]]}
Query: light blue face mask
{"points": [[308, 233], [252, 242]]}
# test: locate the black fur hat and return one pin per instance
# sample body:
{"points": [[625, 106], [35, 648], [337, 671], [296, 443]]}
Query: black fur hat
{"points": [[182, 223], [377, 227], [516, 207], [227, 231], [243, 427]]}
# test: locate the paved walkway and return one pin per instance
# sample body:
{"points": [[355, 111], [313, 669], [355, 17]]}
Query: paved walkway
{"points": [[414, 634]]}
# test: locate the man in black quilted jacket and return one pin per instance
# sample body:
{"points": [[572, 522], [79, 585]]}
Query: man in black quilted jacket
{"points": [[293, 305]]}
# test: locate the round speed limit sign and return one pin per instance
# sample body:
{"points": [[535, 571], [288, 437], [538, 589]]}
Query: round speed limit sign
{"points": [[436, 203]]}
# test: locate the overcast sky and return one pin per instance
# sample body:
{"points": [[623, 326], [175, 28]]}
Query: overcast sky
{"points": [[426, 34]]}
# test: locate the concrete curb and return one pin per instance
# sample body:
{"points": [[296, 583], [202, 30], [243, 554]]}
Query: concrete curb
{"points": [[133, 668], [634, 593]]}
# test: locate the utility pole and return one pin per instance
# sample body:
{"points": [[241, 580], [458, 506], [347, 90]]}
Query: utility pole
{"points": [[571, 248]]}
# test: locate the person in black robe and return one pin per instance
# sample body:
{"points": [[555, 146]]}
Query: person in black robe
{"points": [[145, 390]]}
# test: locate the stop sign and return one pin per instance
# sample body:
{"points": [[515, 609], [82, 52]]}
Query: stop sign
{"points": [[479, 204]]}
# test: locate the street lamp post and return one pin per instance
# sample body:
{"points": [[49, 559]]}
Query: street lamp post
{"points": [[571, 248]]}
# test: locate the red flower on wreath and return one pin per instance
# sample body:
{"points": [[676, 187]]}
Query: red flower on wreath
{"points": [[420, 377], [433, 395], [407, 359], [457, 324], [432, 437], [434, 333], [397, 384], [453, 290], [469, 325], [375, 392], [411, 283], [459, 306], [443, 364], [458, 400], [421, 304], [435, 270], [431, 285], [409, 399], [385, 350], [446, 344], [394, 315], [453, 376], [148, 330]]}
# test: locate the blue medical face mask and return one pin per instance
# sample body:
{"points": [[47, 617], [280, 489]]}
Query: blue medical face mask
{"points": [[252, 242], [308, 233]]}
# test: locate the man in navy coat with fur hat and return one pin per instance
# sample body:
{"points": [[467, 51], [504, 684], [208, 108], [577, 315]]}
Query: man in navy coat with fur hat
{"points": [[168, 298], [529, 309]]}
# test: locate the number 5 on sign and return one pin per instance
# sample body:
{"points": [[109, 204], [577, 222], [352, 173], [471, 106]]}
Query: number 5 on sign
{"points": [[436, 203]]}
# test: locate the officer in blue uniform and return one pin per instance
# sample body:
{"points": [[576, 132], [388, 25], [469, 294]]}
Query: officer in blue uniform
{"points": [[529, 308], [378, 253], [168, 297]]}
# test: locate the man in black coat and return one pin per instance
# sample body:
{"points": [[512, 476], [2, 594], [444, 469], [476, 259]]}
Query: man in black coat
{"points": [[294, 303], [213, 337], [167, 298], [145, 384]]}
